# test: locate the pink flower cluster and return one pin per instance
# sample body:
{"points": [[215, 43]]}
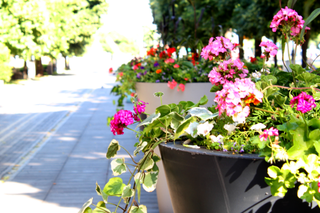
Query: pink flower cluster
{"points": [[268, 132], [172, 84], [121, 119], [227, 71], [304, 102], [289, 19], [236, 97], [140, 108], [270, 49], [169, 60], [218, 47]]}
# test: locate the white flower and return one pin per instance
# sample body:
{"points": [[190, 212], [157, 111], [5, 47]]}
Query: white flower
{"points": [[230, 127], [204, 129], [258, 127], [217, 139], [192, 129]]}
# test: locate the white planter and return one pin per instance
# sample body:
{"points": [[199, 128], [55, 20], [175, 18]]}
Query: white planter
{"points": [[193, 92]]}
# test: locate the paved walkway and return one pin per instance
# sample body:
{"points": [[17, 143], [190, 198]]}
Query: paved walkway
{"points": [[52, 160]]}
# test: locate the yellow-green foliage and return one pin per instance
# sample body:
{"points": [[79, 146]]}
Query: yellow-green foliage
{"points": [[5, 69]]}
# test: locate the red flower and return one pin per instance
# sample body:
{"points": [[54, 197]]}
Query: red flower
{"points": [[110, 70], [182, 87], [132, 94], [186, 79], [172, 84], [158, 71], [163, 54], [120, 74], [152, 51], [170, 51], [253, 60]]}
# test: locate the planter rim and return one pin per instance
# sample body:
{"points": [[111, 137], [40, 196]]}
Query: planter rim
{"points": [[202, 151]]}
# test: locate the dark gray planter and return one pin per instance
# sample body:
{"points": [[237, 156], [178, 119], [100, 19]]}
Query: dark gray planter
{"points": [[207, 181]]}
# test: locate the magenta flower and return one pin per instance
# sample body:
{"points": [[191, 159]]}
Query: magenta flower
{"points": [[219, 47], [140, 108], [227, 71], [304, 102], [268, 132], [121, 119], [270, 49]]}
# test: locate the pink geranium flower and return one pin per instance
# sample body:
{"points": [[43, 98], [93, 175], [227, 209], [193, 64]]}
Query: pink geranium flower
{"points": [[172, 84], [176, 66], [304, 102], [270, 49], [268, 132], [227, 71], [219, 48], [169, 60], [235, 98]]}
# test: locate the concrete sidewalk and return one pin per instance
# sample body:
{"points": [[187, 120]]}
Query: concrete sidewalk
{"points": [[61, 174]]}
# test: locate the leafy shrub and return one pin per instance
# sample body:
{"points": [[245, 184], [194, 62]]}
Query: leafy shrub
{"points": [[5, 69]]}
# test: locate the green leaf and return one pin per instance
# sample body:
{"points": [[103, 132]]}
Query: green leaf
{"points": [[202, 113], [269, 78], [297, 69], [163, 110], [113, 148], [317, 146], [176, 120], [203, 101], [149, 119], [312, 16], [140, 209], [155, 158], [188, 64], [274, 171], [148, 164], [150, 180], [104, 196], [291, 3], [101, 210], [127, 193], [183, 126], [315, 134], [140, 147], [85, 205], [114, 187], [118, 166], [316, 96], [314, 123], [216, 88], [98, 189], [88, 210]]}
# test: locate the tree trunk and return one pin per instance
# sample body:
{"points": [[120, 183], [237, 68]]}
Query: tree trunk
{"points": [[66, 63], [275, 57], [257, 48], [39, 67], [25, 70], [304, 49], [241, 53]]}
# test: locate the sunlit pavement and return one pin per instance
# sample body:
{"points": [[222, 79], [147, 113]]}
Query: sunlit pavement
{"points": [[53, 140]]}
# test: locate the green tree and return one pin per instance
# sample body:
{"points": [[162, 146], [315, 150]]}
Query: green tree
{"points": [[5, 69]]}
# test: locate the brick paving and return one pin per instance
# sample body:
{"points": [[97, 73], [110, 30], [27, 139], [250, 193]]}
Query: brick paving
{"points": [[60, 173]]}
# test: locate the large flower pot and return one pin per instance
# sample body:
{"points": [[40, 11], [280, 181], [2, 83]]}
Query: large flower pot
{"points": [[215, 182], [193, 92]]}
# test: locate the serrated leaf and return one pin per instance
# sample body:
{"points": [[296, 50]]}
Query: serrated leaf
{"points": [[140, 209], [114, 187], [269, 78], [140, 147], [149, 119], [118, 166], [85, 205], [202, 113], [113, 148], [203, 101], [150, 180]]}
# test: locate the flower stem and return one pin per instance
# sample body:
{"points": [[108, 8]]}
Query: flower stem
{"points": [[290, 88], [293, 75], [264, 110]]}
